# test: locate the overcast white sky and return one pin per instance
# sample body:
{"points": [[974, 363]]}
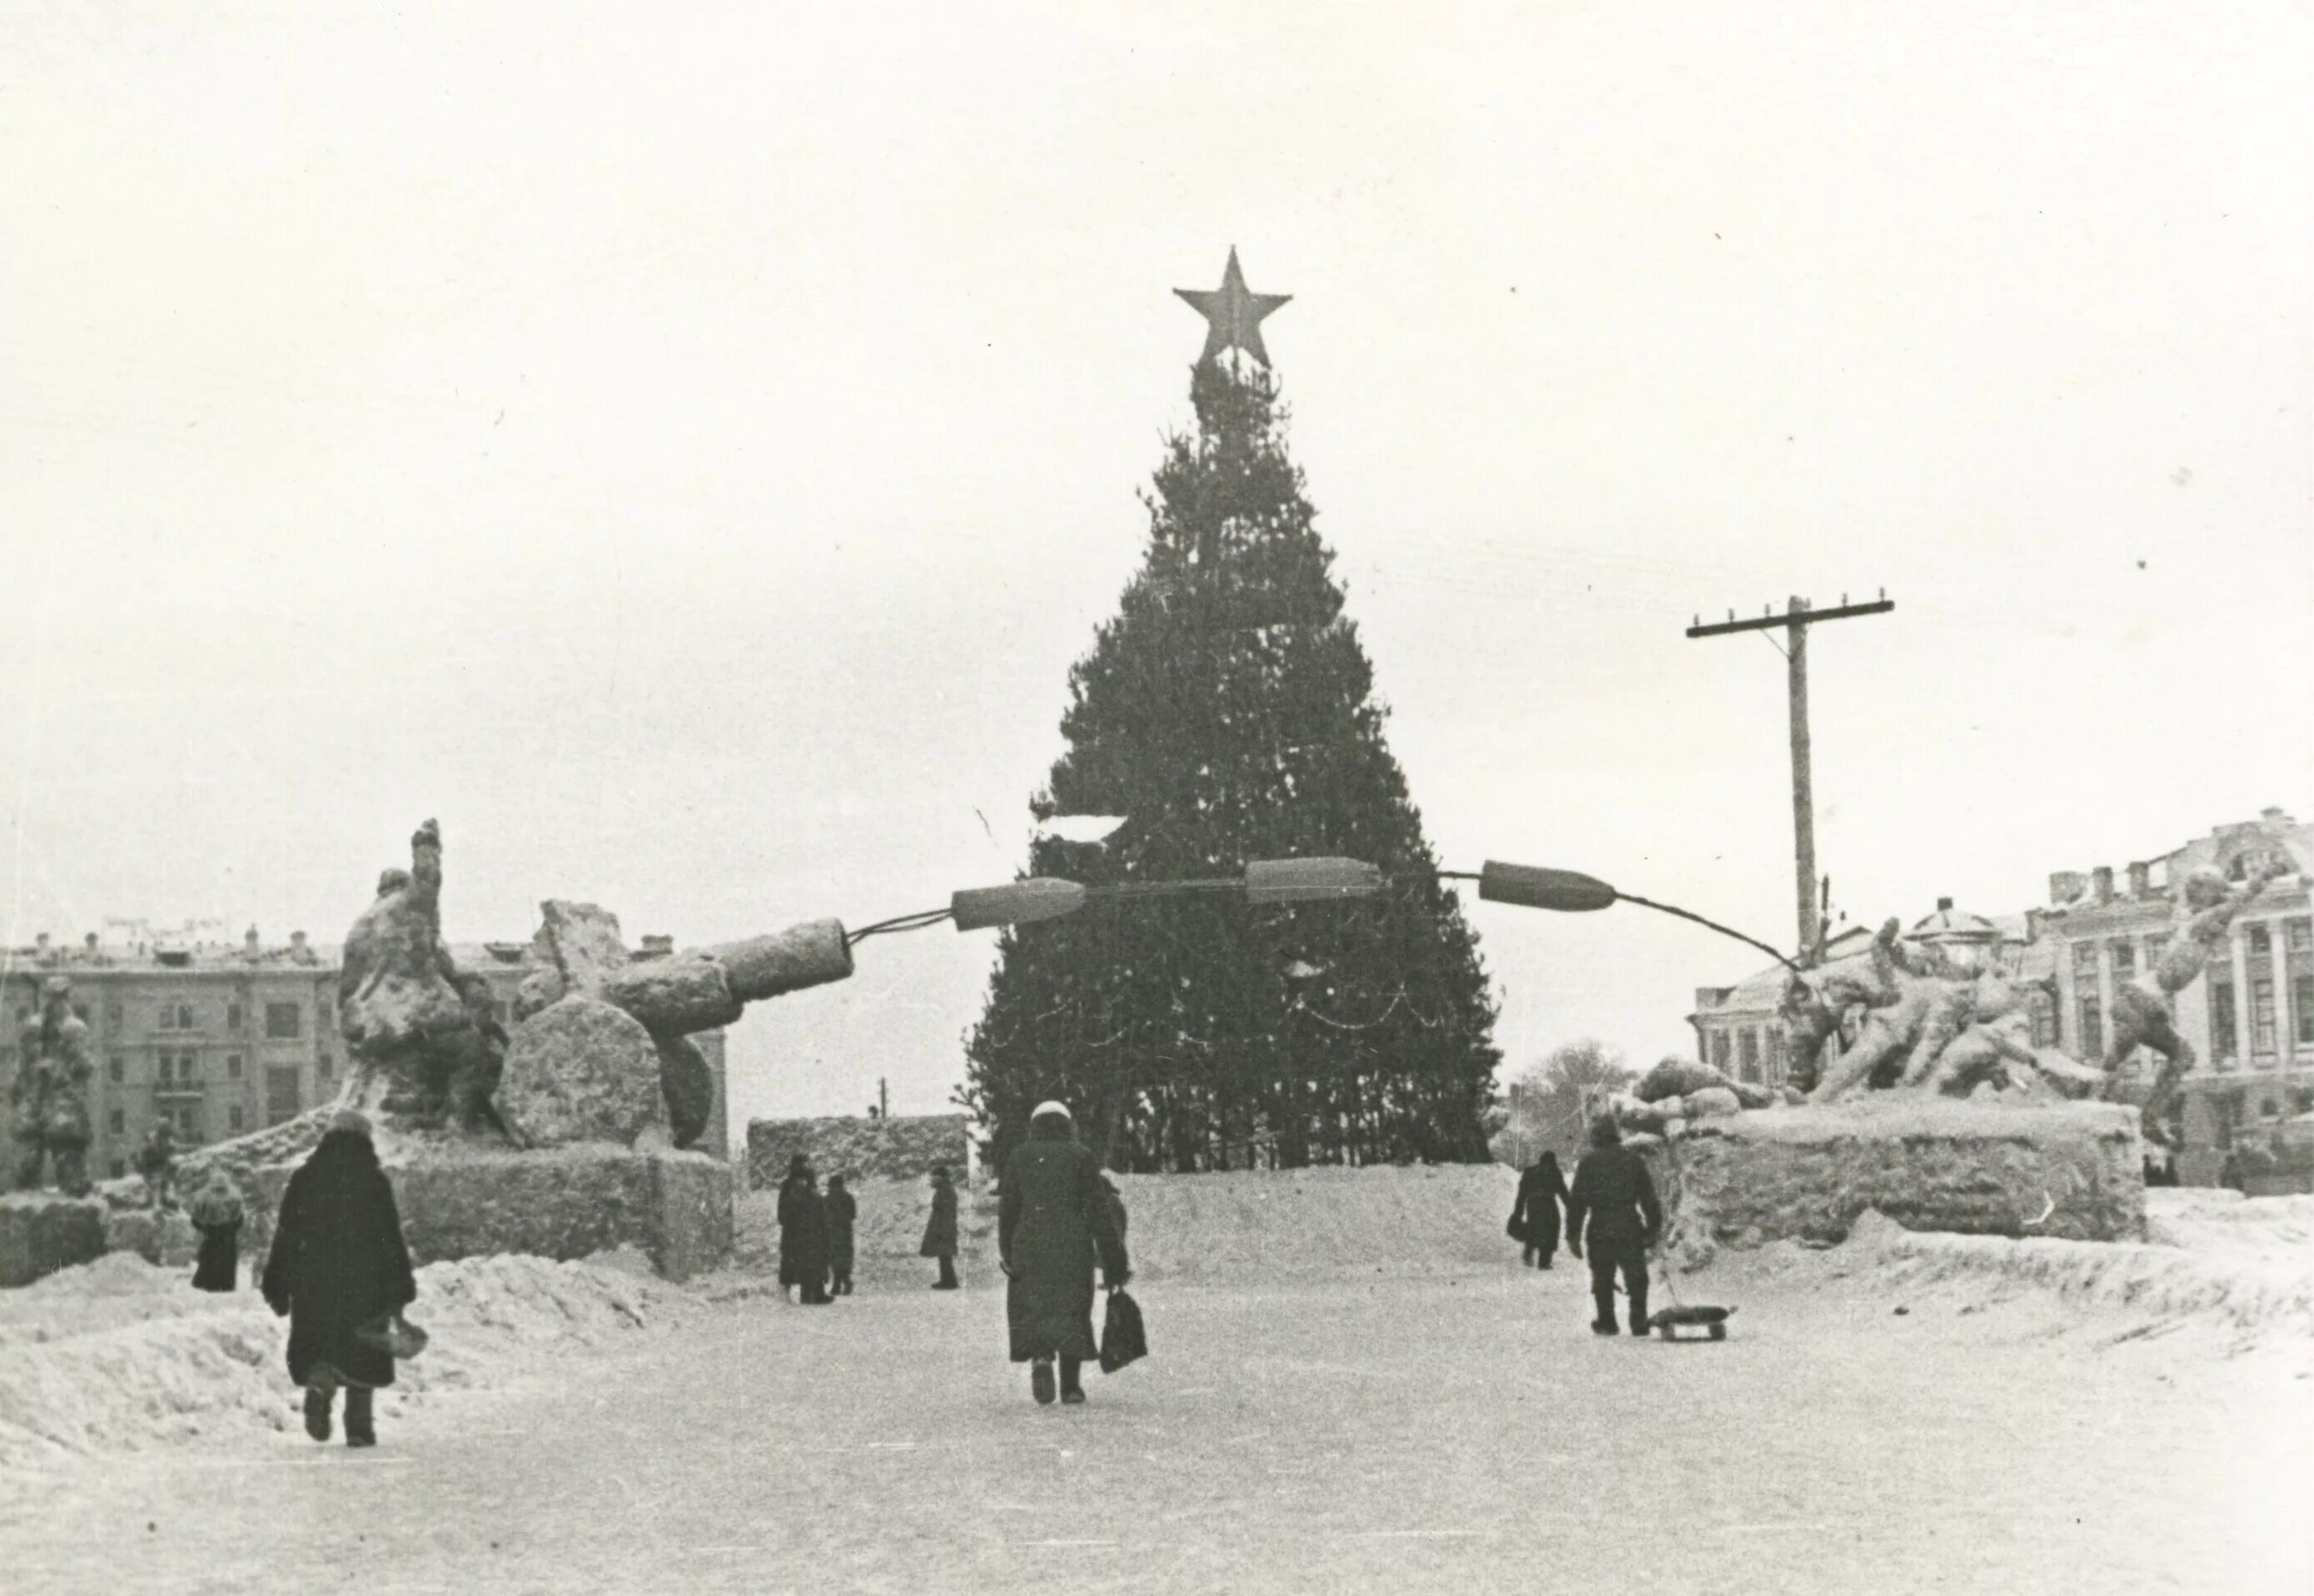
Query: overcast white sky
{"points": [[685, 449]]}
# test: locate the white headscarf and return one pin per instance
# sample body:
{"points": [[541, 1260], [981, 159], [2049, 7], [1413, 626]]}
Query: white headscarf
{"points": [[1049, 1106]]}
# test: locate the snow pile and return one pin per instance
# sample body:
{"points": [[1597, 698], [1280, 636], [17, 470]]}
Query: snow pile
{"points": [[1243, 1227], [2265, 1297], [121, 1354]]}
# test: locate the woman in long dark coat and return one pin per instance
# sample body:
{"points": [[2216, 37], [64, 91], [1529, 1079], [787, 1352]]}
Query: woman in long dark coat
{"points": [[338, 1264], [1535, 1219], [940, 1229], [217, 1214], [803, 1234], [1054, 1223]]}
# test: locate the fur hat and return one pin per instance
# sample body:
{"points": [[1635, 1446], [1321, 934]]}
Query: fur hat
{"points": [[351, 1121]]}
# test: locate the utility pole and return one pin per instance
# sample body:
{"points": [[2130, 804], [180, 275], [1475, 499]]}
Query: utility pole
{"points": [[1795, 621], [883, 1100]]}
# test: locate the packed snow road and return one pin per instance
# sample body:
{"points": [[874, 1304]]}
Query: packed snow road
{"points": [[1400, 1435]]}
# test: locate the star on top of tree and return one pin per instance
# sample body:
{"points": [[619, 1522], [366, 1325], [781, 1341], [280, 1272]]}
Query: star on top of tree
{"points": [[1233, 315]]}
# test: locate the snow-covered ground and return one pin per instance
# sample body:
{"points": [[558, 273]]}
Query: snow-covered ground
{"points": [[1392, 1412]]}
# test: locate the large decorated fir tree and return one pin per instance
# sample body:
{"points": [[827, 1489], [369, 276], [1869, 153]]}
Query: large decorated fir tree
{"points": [[1227, 714]]}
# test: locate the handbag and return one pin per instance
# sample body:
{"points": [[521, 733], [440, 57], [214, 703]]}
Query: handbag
{"points": [[392, 1334], [1124, 1336]]}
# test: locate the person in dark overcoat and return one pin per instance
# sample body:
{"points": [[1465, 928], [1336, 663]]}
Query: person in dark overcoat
{"points": [[338, 1266], [1534, 1219], [217, 1214], [1054, 1222], [940, 1229], [841, 1211], [803, 1233], [1613, 1192]]}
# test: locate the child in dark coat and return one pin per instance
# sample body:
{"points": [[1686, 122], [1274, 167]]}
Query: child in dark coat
{"points": [[939, 1231], [842, 1210]]}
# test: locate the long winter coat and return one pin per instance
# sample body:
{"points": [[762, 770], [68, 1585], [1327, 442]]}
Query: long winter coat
{"points": [[338, 1262], [1534, 1220], [217, 1214], [842, 1210], [939, 1231], [1614, 1192], [803, 1233], [1054, 1222]]}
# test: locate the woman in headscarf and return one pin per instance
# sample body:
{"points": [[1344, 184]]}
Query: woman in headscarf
{"points": [[217, 1214], [1054, 1222], [940, 1229], [339, 1270]]}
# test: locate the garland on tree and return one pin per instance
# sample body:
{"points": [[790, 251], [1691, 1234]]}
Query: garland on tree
{"points": [[1226, 711]]}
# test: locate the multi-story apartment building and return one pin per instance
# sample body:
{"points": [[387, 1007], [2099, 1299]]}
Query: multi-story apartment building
{"points": [[2250, 1019], [218, 1038]]}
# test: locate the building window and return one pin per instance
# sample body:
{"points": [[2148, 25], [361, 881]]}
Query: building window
{"points": [[184, 1016], [323, 1065], [232, 1117], [1775, 1057], [2259, 941], [322, 1014], [112, 1015], [166, 1020], [233, 1017], [2041, 1009], [232, 1066], [283, 1021], [2301, 1009], [280, 1093], [1747, 1055], [118, 1122], [2125, 961], [1720, 1051], [116, 1069], [188, 1121], [119, 1168], [2092, 1028], [2224, 1038], [2261, 1016]]}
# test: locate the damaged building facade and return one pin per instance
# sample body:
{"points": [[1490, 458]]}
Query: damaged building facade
{"points": [[2250, 1017]]}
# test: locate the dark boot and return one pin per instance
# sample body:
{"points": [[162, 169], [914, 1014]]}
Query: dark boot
{"points": [[317, 1411], [1040, 1381], [946, 1280], [361, 1427], [1073, 1381]]}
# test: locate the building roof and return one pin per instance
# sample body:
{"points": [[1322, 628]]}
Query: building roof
{"points": [[222, 958]]}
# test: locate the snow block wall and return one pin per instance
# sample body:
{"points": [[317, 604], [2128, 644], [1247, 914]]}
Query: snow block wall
{"points": [[2073, 1170], [562, 1202], [901, 1147], [41, 1232]]}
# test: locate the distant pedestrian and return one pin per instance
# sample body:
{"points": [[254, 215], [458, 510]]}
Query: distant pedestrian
{"points": [[1117, 1213], [803, 1233], [1054, 1222], [156, 1161], [217, 1214], [1535, 1218], [1613, 1191], [840, 1212], [338, 1269], [940, 1229]]}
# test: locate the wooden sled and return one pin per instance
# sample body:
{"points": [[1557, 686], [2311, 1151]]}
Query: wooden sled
{"points": [[1668, 1322]]}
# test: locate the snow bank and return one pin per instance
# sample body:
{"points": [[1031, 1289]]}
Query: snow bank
{"points": [[2268, 1297], [121, 1354]]}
